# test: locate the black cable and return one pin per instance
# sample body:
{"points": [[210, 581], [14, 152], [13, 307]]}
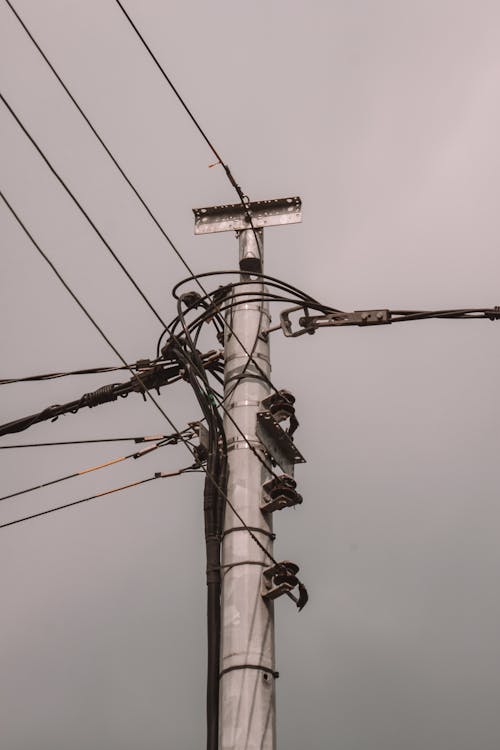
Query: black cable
{"points": [[80, 207], [244, 200], [262, 276], [142, 439], [115, 162], [364, 318], [202, 374], [472, 313], [146, 393], [158, 475], [213, 518], [100, 139], [184, 105], [137, 454], [230, 328], [87, 371], [242, 197], [151, 378]]}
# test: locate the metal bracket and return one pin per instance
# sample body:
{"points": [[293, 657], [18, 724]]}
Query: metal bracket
{"points": [[279, 579], [309, 323], [235, 217], [201, 450], [278, 443], [278, 493]]}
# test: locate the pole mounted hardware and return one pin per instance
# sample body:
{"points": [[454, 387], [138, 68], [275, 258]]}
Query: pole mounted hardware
{"points": [[201, 432], [281, 579], [277, 441], [278, 493], [253, 216], [281, 406], [310, 323]]}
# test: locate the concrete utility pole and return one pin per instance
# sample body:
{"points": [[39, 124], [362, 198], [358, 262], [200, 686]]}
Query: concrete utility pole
{"points": [[247, 669]]}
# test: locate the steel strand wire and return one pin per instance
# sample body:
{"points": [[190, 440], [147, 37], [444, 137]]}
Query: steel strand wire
{"points": [[158, 475], [140, 383], [112, 157], [241, 195], [118, 166], [89, 441], [101, 141], [81, 209], [112, 462]]}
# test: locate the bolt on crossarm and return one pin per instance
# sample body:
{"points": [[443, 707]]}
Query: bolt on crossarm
{"points": [[247, 660]]}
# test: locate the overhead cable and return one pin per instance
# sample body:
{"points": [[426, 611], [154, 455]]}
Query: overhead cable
{"points": [[121, 170], [100, 139], [141, 439], [243, 198], [137, 454], [367, 318], [142, 364], [147, 393], [158, 475], [150, 378], [82, 210]]}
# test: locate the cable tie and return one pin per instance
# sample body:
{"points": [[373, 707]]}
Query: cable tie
{"points": [[260, 667], [228, 566], [269, 534]]}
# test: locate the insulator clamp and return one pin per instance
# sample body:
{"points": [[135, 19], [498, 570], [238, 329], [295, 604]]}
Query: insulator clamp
{"points": [[278, 493]]}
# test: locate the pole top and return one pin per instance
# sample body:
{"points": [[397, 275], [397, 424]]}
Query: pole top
{"points": [[234, 217]]}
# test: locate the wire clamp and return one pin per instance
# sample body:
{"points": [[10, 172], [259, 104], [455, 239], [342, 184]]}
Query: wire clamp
{"points": [[310, 323]]}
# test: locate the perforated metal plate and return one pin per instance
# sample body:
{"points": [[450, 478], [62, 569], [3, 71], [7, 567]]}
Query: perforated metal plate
{"points": [[278, 443], [235, 216]]}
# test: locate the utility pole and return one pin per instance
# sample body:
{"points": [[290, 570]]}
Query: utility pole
{"points": [[247, 663]]}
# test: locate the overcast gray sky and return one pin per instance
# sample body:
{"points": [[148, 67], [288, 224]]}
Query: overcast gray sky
{"points": [[384, 117]]}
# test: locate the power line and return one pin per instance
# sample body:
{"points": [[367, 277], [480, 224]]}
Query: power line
{"points": [[122, 172], [244, 199], [142, 439], [184, 105], [158, 475], [86, 371], [151, 378], [147, 394], [212, 479], [82, 472], [80, 207], [100, 139]]}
